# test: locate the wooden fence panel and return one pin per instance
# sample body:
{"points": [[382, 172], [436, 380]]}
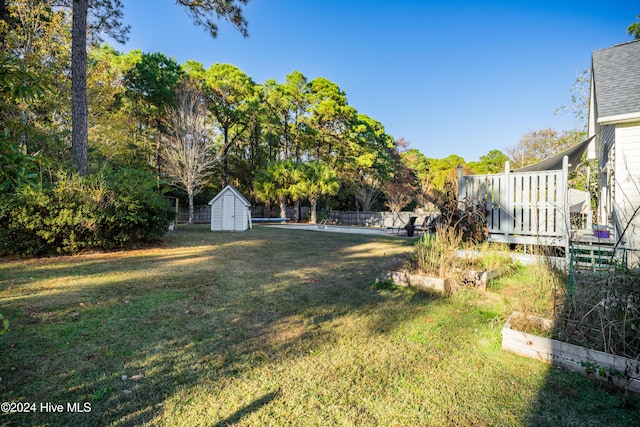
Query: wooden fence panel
{"points": [[201, 214]]}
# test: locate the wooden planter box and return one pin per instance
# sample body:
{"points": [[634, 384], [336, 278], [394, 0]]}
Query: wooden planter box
{"points": [[478, 279], [403, 278], [619, 371]]}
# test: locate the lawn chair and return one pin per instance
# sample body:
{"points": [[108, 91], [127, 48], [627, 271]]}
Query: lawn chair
{"points": [[408, 229], [428, 225]]}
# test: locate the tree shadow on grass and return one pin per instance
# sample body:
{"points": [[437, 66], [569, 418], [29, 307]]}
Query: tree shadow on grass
{"points": [[221, 315], [237, 305], [244, 411], [568, 398]]}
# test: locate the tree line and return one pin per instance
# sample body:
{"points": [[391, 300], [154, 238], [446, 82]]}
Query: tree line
{"points": [[147, 112], [194, 129]]}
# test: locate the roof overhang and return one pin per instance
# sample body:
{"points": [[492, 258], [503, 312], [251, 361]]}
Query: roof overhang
{"points": [[620, 118]]}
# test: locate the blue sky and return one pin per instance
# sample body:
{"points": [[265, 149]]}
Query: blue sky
{"points": [[457, 77]]}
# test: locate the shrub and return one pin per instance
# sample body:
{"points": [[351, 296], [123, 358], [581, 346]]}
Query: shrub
{"points": [[466, 217], [16, 167], [105, 211]]}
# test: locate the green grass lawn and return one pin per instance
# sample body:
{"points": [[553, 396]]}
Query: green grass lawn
{"points": [[269, 327]]}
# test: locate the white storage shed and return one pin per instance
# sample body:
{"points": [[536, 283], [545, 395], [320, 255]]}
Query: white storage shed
{"points": [[230, 211]]}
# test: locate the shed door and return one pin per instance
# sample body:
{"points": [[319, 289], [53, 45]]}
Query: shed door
{"points": [[228, 213]]}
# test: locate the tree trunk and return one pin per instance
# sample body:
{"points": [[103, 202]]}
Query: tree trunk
{"points": [[158, 154], [225, 159], [79, 111], [191, 208], [283, 208], [285, 138], [314, 206], [225, 171], [396, 215]]}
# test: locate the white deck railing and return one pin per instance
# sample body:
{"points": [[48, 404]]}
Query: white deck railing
{"points": [[529, 208]]}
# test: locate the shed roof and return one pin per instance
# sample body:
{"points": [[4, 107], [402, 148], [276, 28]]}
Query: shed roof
{"points": [[616, 74], [227, 189]]}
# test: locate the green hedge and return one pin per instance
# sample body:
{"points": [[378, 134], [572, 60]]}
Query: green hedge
{"points": [[106, 211]]}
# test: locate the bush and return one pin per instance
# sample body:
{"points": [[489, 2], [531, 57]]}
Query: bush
{"points": [[106, 211], [469, 219]]}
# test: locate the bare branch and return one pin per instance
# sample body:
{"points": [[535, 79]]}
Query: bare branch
{"points": [[188, 149]]}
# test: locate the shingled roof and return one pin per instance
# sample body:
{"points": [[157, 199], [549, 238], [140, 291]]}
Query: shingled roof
{"points": [[616, 71]]}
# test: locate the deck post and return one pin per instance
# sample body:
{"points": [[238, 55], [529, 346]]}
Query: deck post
{"points": [[565, 207], [508, 201], [588, 201], [461, 188]]}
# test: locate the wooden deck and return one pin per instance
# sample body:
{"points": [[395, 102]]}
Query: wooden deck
{"points": [[532, 208]]}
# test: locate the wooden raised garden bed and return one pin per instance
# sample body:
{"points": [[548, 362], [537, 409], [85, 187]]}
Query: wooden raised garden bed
{"points": [[619, 371], [473, 278], [404, 278]]}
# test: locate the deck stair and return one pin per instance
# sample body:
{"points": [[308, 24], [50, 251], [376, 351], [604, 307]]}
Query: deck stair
{"points": [[591, 253]]}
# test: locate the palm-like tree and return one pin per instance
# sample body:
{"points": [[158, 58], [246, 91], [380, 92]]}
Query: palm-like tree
{"points": [[285, 178], [275, 182], [317, 179]]}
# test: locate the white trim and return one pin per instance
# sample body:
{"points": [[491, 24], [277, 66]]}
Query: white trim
{"points": [[620, 118], [593, 126], [234, 191]]}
